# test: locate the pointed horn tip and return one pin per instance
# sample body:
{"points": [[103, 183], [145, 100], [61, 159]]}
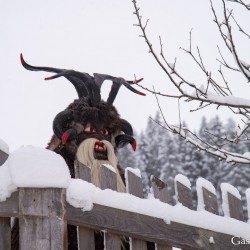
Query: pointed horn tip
{"points": [[139, 80], [52, 77], [21, 58], [140, 93], [133, 144], [48, 78]]}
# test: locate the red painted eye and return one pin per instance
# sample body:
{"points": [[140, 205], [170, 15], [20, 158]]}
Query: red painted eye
{"points": [[105, 131], [89, 129]]}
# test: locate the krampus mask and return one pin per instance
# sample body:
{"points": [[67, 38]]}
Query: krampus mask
{"points": [[89, 119]]}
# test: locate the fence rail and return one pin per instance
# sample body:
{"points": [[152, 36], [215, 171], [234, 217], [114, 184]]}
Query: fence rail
{"points": [[44, 214]]}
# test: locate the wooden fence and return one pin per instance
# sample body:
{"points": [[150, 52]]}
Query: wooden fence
{"points": [[44, 214]]}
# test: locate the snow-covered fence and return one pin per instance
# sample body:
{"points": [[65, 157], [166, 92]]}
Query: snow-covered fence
{"points": [[44, 210]]}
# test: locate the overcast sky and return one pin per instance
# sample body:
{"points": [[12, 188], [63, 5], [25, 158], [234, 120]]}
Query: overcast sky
{"points": [[97, 36]]}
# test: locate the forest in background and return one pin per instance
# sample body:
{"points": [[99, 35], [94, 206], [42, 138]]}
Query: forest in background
{"points": [[164, 154]]}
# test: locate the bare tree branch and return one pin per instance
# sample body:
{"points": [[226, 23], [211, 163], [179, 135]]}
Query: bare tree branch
{"points": [[214, 93]]}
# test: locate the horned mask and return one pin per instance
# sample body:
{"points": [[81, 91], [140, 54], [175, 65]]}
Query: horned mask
{"points": [[89, 124]]}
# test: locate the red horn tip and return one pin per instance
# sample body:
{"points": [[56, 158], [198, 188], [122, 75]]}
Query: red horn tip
{"points": [[134, 145], [139, 80], [21, 58]]}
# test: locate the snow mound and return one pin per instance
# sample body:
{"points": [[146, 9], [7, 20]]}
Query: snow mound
{"points": [[6, 185], [32, 167], [38, 167], [80, 194]]}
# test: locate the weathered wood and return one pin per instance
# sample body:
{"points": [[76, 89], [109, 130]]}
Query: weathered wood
{"points": [[10, 207], [82, 172], [235, 207], [86, 238], [210, 201], [108, 180], [184, 195], [162, 247], [134, 187], [5, 233], [160, 191], [134, 184], [149, 228], [112, 241], [42, 220], [3, 157]]}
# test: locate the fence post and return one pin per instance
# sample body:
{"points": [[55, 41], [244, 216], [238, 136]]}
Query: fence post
{"points": [[86, 237], [4, 152], [108, 180], [207, 198], [3, 157], [134, 187], [42, 220], [231, 202], [160, 191], [5, 233], [183, 191], [248, 203]]}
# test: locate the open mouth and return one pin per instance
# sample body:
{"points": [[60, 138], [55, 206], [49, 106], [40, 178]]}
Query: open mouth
{"points": [[100, 151]]}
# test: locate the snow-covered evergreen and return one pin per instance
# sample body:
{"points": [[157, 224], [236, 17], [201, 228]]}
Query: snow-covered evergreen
{"points": [[165, 155]]}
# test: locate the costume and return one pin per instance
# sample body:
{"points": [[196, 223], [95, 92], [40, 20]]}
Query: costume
{"points": [[89, 129]]}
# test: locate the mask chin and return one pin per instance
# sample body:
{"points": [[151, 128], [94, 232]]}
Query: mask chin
{"points": [[100, 151], [100, 155]]}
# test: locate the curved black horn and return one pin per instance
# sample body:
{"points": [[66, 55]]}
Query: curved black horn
{"points": [[61, 122], [117, 82], [83, 82], [123, 140], [88, 87], [126, 127]]}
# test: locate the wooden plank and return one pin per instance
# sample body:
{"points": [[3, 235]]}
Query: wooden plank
{"points": [[42, 219], [210, 201], [112, 241], [3, 157], [184, 195], [10, 207], [140, 226], [5, 233], [82, 172], [235, 207], [134, 184], [108, 180], [160, 191], [134, 187], [86, 238]]}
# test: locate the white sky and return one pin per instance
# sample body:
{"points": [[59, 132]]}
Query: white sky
{"points": [[97, 36]]}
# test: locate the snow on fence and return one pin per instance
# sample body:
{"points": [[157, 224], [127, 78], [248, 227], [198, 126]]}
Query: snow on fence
{"points": [[43, 213]]}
